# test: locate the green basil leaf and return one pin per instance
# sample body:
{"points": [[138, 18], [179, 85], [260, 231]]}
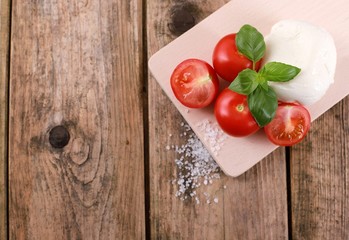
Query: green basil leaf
{"points": [[245, 82], [263, 105], [279, 72], [250, 43], [264, 85]]}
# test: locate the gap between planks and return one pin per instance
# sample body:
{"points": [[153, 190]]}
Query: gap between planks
{"points": [[5, 25], [288, 191], [145, 99]]}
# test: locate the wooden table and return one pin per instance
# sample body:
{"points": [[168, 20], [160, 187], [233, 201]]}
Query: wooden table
{"points": [[104, 172]]}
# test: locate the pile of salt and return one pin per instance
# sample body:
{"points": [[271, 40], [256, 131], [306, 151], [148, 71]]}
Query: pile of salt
{"points": [[194, 162]]}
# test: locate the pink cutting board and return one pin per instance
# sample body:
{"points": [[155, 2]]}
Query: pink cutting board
{"points": [[237, 155]]}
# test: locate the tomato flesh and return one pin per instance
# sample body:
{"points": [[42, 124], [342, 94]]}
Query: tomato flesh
{"points": [[233, 115], [194, 83], [227, 61], [289, 126]]}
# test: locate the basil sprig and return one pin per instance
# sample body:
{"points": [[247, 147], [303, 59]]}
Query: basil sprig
{"points": [[261, 97]]}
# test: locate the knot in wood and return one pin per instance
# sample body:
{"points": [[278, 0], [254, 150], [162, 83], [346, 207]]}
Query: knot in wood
{"points": [[182, 18], [59, 137]]}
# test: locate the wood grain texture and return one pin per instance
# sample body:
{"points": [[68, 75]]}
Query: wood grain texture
{"points": [[76, 64], [320, 178], [4, 65], [244, 209], [255, 203]]}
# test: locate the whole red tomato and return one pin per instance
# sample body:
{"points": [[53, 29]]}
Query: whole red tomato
{"points": [[227, 61], [233, 115], [194, 83]]}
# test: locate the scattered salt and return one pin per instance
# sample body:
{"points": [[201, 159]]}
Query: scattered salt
{"points": [[215, 200], [194, 163], [197, 200]]}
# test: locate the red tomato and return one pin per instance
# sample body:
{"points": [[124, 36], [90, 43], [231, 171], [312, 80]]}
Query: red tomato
{"points": [[194, 83], [227, 61], [233, 115], [289, 126]]}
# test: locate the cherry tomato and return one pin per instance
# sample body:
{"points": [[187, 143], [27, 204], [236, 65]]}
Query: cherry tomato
{"points": [[289, 126], [194, 83], [233, 115], [227, 61]]}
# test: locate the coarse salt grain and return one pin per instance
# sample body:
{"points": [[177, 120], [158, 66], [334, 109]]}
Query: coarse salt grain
{"points": [[195, 164]]}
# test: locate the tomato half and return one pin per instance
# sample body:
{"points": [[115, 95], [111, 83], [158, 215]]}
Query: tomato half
{"points": [[233, 115], [227, 61], [194, 83], [289, 126]]}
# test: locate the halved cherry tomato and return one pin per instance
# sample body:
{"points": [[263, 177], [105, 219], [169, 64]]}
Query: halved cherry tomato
{"points": [[289, 126], [227, 61], [194, 83], [233, 115]]}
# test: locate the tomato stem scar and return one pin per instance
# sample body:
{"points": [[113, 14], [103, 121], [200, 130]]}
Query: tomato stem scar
{"points": [[240, 107]]}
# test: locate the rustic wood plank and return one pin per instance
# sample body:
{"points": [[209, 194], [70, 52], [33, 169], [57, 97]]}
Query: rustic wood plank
{"points": [[320, 178], [4, 65], [76, 64], [255, 204], [244, 208]]}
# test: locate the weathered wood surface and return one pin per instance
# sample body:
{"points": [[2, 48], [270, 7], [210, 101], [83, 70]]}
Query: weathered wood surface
{"points": [[320, 178], [82, 65], [4, 66], [77, 64], [4, 58], [244, 209]]}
